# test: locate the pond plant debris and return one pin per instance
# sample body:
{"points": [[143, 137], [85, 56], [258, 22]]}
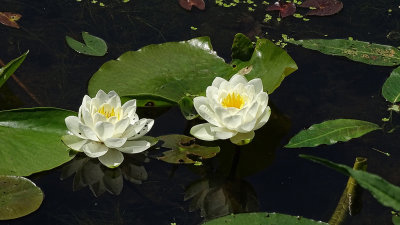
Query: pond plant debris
{"points": [[322, 7], [187, 4], [10, 19], [285, 9]]}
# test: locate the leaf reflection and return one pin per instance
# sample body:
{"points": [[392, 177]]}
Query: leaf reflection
{"points": [[90, 172]]}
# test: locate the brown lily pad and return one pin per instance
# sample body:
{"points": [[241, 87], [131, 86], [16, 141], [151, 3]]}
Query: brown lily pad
{"points": [[183, 147], [9, 19], [187, 4], [285, 9], [323, 7]]}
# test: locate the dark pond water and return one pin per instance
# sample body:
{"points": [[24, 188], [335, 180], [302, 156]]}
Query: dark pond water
{"points": [[263, 176]]}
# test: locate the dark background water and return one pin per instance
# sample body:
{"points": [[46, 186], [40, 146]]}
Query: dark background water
{"points": [[274, 179]]}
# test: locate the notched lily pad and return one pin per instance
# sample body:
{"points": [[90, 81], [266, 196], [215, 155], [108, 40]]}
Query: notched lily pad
{"points": [[187, 4], [285, 9], [18, 197], [93, 45], [183, 147], [322, 7]]}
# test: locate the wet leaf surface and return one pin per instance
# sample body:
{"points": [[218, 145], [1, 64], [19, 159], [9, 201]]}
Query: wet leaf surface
{"points": [[323, 7], [188, 4], [183, 147], [10, 19], [18, 197], [263, 219], [391, 87], [93, 45], [330, 132], [360, 51], [285, 9]]}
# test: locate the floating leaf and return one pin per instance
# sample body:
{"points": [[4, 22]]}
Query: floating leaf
{"points": [[31, 140], [8, 70], [19, 197], [331, 132], [360, 51], [10, 19], [182, 147], [391, 87], [270, 63], [93, 46], [242, 47], [386, 193], [174, 70], [285, 9], [263, 219], [187, 4], [350, 202], [322, 7]]}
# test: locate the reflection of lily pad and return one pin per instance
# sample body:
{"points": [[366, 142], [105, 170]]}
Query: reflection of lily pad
{"points": [[182, 147], [322, 7], [285, 9], [19, 197]]}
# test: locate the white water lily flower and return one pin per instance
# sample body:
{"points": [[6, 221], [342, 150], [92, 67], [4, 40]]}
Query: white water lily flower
{"points": [[104, 129], [233, 109]]}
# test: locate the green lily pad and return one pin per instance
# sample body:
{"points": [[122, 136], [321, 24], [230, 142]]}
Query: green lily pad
{"points": [[93, 45], [360, 51], [242, 47], [391, 87], [268, 62], [31, 140], [182, 147], [396, 220], [171, 71], [187, 108], [19, 197], [263, 218], [330, 132], [383, 191], [8, 70]]}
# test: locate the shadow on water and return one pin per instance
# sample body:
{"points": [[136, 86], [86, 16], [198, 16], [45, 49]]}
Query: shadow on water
{"points": [[261, 176]]}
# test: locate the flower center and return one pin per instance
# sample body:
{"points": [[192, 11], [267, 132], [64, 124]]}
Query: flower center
{"points": [[233, 100], [107, 112]]}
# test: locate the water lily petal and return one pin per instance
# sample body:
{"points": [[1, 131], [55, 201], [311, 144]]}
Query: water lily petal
{"points": [[258, 85], [263, 118], [242, 138], [223, 133], [86, 102], [104, 130], [217, 82], [113, 158], [204, 110], [129, 104], [73, 142], [203, 132], [86, 117], [94, 149], [247, 127], [114, 101], [101, 96], [72, 123], [232, 122], [87, 132], [115, 142], [131, 147], [143, 126], [237, 79], [121, 126]]}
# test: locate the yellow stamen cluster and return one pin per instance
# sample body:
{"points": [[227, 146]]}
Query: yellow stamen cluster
{"points": [[107, 113], [233, 100]]}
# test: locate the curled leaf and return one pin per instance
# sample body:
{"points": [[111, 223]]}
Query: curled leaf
{"points": [[187, 4], [9, 19], [323, 7]]}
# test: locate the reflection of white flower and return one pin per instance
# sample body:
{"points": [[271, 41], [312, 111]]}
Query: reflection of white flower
{"points": [[104, 129], [233, 109]]}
